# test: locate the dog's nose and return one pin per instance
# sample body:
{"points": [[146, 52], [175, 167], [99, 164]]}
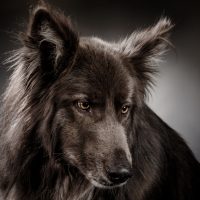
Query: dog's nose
{"points": [[119, 175]]}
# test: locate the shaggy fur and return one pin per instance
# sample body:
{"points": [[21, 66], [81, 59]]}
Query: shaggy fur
{"points": [[52, 148]]}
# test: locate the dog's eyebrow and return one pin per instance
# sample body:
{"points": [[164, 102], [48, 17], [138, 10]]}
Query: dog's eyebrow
{"points": [[75, 96], [128, 101], [124, 100], [79, 96]]}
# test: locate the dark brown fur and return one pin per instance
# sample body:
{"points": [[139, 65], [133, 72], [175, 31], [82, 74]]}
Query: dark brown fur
{"points": [[51, 149]]}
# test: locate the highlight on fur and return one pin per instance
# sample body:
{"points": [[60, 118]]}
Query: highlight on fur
{"points": [[74, 122]]}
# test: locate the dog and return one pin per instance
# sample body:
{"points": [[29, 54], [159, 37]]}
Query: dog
{"points": [[75, 125]]}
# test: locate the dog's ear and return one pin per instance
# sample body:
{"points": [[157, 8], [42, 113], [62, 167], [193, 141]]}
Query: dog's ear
{"points": [[51, 34], [144, 49]]}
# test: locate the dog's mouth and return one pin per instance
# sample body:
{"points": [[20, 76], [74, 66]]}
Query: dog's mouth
{"points": [[110, 179], [106, 184]]}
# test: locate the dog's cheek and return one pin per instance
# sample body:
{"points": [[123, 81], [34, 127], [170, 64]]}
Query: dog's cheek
{"points": [[70, 144], [73, 143]]}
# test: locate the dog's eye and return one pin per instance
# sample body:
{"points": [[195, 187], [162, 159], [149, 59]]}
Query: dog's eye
{"points": [[83, 105], [125, 109]]}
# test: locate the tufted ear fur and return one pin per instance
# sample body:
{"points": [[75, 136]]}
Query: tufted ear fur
{"points": [[50, 47], [144, 50], [51, 35]]}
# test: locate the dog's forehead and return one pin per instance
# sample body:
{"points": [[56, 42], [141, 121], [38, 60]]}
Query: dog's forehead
{"points": [[99, 70]]}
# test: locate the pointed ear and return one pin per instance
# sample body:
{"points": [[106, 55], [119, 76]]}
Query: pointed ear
{"points": [[51, 34], [144, 49]]}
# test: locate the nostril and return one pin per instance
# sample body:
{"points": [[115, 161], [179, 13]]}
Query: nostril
{"points": [[119, 176]]}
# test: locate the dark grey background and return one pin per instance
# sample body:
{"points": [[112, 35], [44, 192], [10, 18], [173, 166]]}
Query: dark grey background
{"points": [[176, 98]]}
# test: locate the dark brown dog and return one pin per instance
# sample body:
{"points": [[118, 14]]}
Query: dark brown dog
{"points": [[75, 125]]}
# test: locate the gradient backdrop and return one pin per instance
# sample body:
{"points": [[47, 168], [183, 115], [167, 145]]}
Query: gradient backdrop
{"points": [[176, 97]]}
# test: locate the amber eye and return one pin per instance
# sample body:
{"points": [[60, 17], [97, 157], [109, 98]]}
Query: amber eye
{"points": [[83, 105], [125, 109]]}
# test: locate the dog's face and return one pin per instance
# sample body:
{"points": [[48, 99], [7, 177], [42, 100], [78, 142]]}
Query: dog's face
{"points": [[96, 102], [97, 88]]}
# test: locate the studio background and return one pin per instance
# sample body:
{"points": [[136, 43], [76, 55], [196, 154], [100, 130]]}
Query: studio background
{"points": [[176, 96]]}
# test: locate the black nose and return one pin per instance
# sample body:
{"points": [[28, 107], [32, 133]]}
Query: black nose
{"points": [[119, 175]]}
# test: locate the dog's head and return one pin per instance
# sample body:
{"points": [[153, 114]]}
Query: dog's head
{"points": [[95, 86]]}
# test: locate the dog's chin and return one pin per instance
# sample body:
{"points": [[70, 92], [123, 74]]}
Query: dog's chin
{"points": [[106, 185]]}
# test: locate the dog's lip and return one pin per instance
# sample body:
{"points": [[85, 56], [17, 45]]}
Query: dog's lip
{"points": [[104, 184]]}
